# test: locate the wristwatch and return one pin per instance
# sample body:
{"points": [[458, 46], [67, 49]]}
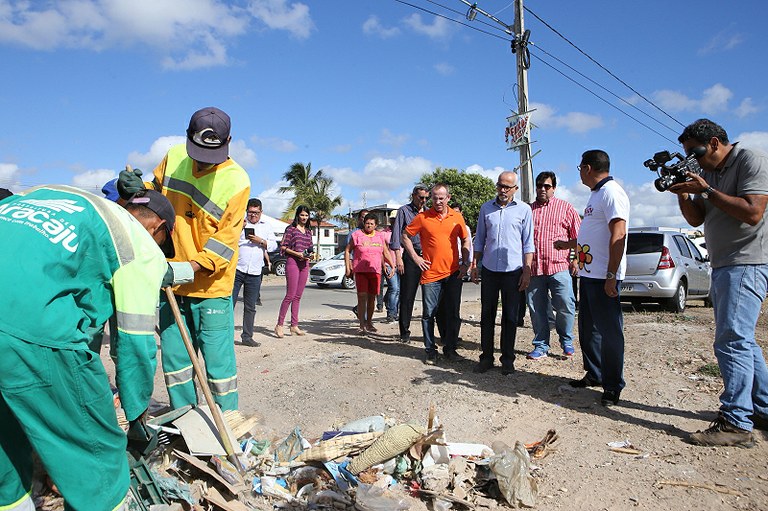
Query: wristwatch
{"points": [[707, 192], [610, 275]]}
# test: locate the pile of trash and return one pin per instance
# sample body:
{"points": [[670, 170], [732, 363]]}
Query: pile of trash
{"points": [[371, 464]]}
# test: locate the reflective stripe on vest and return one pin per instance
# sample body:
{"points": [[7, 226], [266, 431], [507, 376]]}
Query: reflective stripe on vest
{"points": [[224, 386]]}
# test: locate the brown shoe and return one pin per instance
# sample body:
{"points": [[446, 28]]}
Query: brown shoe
{"points": [[723, 433], [279, 331], [295, 330]]}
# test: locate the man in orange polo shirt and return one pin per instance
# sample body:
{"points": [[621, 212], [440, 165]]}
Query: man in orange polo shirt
{"points": [[439, 228]]}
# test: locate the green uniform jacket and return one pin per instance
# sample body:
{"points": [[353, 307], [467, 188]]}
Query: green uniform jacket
{"points": [[71, 261]]}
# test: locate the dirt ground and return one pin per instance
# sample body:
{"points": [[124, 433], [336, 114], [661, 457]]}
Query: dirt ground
{"points": [[332, 376]]}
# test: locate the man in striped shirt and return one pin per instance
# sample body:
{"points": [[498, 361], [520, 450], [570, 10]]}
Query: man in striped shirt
{"points": [[551, 286]]}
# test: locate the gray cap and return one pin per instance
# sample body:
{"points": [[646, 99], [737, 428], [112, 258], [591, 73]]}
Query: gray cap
{"points": [[208, 136], [160, 204]]}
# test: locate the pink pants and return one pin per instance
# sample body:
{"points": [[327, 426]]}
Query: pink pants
{"points": [[296, 274]]}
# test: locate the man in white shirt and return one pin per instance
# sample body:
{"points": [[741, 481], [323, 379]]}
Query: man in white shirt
{"points": [[601, 250], [256, 239]]}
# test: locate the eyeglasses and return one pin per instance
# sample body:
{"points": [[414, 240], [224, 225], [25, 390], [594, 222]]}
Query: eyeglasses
{"points": [[422, 197], [578, 167], [546, 186], [253, 213], [505, 187]]}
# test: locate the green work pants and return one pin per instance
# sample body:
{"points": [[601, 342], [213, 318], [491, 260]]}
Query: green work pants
{"points": [[211, 326], [58, 402]]}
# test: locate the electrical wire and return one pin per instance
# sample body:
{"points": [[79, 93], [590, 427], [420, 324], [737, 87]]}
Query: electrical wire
{"points": [[451, 19], [601, 66], [487, 23], [601, 98], [539, 48]]}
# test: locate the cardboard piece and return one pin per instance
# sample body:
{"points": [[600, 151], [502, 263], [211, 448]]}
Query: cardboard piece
{"points": [[199, 432]]}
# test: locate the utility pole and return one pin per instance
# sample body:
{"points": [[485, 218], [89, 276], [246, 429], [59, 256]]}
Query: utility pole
{"points": [[527, 191], [520, 49]]}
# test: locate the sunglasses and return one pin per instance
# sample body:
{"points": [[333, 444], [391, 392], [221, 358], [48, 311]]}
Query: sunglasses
{"points": [[505, 187], [546, 186]]}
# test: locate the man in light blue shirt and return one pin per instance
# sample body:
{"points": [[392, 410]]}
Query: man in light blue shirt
{"points": [[504, 244]]}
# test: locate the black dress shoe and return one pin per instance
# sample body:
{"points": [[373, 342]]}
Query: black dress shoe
{"points": [[252, 344], [483, 367], [451, 355], [584, 382], [507, 370], [610, 397]]}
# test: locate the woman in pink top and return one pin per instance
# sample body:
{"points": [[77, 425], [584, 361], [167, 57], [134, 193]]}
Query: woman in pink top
{"points": [[369, 247]]}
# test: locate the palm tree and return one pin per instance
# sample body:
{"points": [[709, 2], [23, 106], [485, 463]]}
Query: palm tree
{"points": [[301, 182], [311, 190]]}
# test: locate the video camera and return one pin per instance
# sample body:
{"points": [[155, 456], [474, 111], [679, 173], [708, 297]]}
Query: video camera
{"points": [[675, 172]]}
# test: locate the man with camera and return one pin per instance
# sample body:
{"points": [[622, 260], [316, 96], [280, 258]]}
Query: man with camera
{"points": [[729, 197]]}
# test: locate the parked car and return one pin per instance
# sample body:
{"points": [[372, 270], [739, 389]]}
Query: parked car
{"points": [[331, 271], [665, 267], [277, 261]]}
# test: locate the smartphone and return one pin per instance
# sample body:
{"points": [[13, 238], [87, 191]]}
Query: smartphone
{"points": [[249, 231]]}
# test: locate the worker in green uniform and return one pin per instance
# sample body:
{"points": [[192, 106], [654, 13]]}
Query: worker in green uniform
{"points": [[71, 261]]}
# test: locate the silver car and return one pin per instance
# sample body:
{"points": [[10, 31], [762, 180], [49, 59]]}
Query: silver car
{"points": [[665, 267]]}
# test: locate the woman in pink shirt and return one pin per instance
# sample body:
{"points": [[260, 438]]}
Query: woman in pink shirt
{"points": [[369, 247]]}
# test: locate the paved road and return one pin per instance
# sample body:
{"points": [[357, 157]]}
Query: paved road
{"points": [[319, 303]]}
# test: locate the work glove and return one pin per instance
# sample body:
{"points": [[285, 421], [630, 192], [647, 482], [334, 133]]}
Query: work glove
{"points": [[178, 273], [130, 183], [141, 439]]}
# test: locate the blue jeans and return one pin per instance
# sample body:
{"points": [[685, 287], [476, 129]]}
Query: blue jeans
{"points": [[447, 291], [392, 296], [601, 334], [251, 285], [737, 294], [560, 286]]}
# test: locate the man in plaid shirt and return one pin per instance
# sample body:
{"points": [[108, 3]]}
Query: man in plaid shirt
{"points": [[551, 285]]}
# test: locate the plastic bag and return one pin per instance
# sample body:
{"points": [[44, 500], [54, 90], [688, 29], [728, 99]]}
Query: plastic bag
{"points": [[512, 469], [372, 498]]}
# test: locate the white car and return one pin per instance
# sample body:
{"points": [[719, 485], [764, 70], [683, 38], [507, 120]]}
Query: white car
{"points": [[331, 271]]}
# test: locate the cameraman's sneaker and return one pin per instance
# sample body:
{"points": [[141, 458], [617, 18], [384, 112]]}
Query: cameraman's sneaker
{"points": [[723, 433], [568, 350], [537, 354]]}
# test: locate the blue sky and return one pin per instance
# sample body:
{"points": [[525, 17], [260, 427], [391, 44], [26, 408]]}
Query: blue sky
{"points": [[374, 92]]}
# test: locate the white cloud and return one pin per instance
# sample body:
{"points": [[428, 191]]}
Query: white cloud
{"points": [[372, 26], [280, 14], [713, 100], [444, 69], [382, 173], [274, 202], [187, 34], [546, 116], [276, 144], [722, 41], [392, 139], [746, 108], [754, 139], [93, 180], [149, 160], [9, 175], [491, 174], [342, 148], [438, 29], [243, 155]]}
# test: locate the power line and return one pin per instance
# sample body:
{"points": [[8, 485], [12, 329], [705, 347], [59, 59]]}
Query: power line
{"points": [[602, 99], [451, 19], [601, 66], [492, 25], [602, 87]]}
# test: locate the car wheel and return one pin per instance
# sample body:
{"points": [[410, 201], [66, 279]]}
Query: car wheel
{"points": [[279, 268], [677, 302], [708, 301], [348, 283]]}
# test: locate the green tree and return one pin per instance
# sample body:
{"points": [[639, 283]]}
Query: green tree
{"points": [[311, 190], [468, 189]]}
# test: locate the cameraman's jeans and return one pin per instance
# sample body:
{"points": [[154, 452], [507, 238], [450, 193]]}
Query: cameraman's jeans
{"points": [[737, 294], [561, 286], [601, 333]]}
